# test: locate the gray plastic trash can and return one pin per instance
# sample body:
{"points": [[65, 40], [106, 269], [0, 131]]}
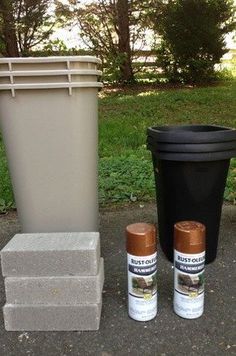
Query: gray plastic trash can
{"points": [[48, 118]]}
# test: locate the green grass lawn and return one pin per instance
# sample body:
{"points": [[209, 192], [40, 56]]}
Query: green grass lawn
{"points": [[125, 164], [125, 167], [6, 195]]}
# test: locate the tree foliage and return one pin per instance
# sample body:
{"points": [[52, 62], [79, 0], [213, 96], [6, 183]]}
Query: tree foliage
{"points": [[23, 25], [111, 29], [8, 40], [193, 37]]}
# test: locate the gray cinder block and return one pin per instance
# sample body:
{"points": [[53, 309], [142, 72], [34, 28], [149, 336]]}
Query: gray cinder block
{"points": [[55, 290], [53, 317], [51, 254]]}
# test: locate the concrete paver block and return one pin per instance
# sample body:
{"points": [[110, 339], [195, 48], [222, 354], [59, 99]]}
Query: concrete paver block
{"points": [[55, 290], [51, 254], [52, 318]]}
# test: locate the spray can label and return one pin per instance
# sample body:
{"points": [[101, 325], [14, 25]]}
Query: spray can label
{"points": [[142, 287], [189, 284]]}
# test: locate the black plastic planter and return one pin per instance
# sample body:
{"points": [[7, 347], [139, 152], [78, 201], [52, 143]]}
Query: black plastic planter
{"points": [[190, 166]]}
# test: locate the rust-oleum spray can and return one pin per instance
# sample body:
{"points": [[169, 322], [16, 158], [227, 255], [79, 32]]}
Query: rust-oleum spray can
{"points": [[189, 264], [142, 268]]}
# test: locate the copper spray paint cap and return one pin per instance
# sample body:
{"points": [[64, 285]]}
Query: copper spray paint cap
{"points": [[189, 237], [141, 239]]}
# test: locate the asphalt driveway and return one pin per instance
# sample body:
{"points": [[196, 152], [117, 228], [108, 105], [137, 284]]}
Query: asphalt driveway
{"points": [[212, 334]]}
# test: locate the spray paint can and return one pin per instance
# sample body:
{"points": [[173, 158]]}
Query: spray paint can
{"points": [[189, 264], [142, 269]]}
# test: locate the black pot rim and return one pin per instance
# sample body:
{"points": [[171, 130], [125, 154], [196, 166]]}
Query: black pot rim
{"points": [[194, 157], [189, 147], [192, 134]]}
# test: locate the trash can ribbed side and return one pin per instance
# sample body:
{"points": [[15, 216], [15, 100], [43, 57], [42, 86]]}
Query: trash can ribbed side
{"points": [[51, 138]]}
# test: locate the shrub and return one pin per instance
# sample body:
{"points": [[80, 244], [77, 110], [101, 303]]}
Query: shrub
{"points": [[193, 37]]}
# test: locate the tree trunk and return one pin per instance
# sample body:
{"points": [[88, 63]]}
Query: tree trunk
{"points": [[124, 41], [9, 31]]}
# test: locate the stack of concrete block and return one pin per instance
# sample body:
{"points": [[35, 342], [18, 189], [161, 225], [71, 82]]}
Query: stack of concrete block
{"points": [[53, 282]]}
